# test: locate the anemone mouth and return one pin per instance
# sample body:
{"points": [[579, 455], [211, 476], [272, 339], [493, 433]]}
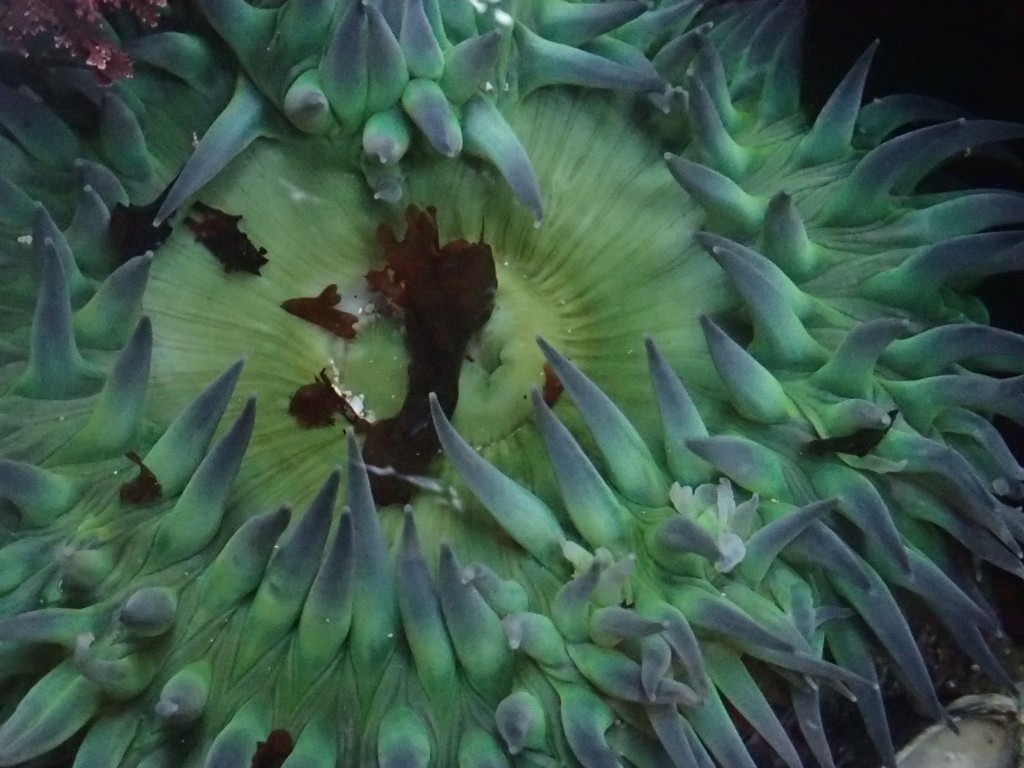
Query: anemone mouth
{"points": [[591, 281]]}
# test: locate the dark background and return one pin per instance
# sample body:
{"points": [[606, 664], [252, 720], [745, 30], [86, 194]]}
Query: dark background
{"points": [[969, 53]]}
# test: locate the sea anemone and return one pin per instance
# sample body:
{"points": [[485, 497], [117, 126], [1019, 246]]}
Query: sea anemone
{"points": [[618, 400]]}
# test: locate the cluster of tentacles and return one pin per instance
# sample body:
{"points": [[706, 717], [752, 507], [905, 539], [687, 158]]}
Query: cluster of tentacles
{"points": [[774, 420]]}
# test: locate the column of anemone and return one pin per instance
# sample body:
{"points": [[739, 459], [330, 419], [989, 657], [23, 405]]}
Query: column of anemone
{"points": [[831, 401]]}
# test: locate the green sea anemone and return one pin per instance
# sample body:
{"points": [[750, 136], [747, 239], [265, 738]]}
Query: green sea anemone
{"points": [[615, 395]]}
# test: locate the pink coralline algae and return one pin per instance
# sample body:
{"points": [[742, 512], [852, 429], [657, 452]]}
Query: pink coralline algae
{"points": [[73, 26]]}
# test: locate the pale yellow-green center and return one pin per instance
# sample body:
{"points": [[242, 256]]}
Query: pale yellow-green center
{"points": [[613, 260]]}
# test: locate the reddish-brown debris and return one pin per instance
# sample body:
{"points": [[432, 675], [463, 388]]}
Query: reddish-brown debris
{"points": [[219, 232], [315, 405], [274, 751], [320, 310], [446, 294], [552, 386], [145, 488]]}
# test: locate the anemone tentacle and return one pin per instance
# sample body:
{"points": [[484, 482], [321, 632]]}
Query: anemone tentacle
{"points": [[726, 407]]}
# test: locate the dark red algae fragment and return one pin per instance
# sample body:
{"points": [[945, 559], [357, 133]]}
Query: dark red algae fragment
{"points": [[219, 232], [552, 386], [320, 310], [131, 229], [145, 488], [314, 405], [274, 751], [858, 443], [445, 294]]}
